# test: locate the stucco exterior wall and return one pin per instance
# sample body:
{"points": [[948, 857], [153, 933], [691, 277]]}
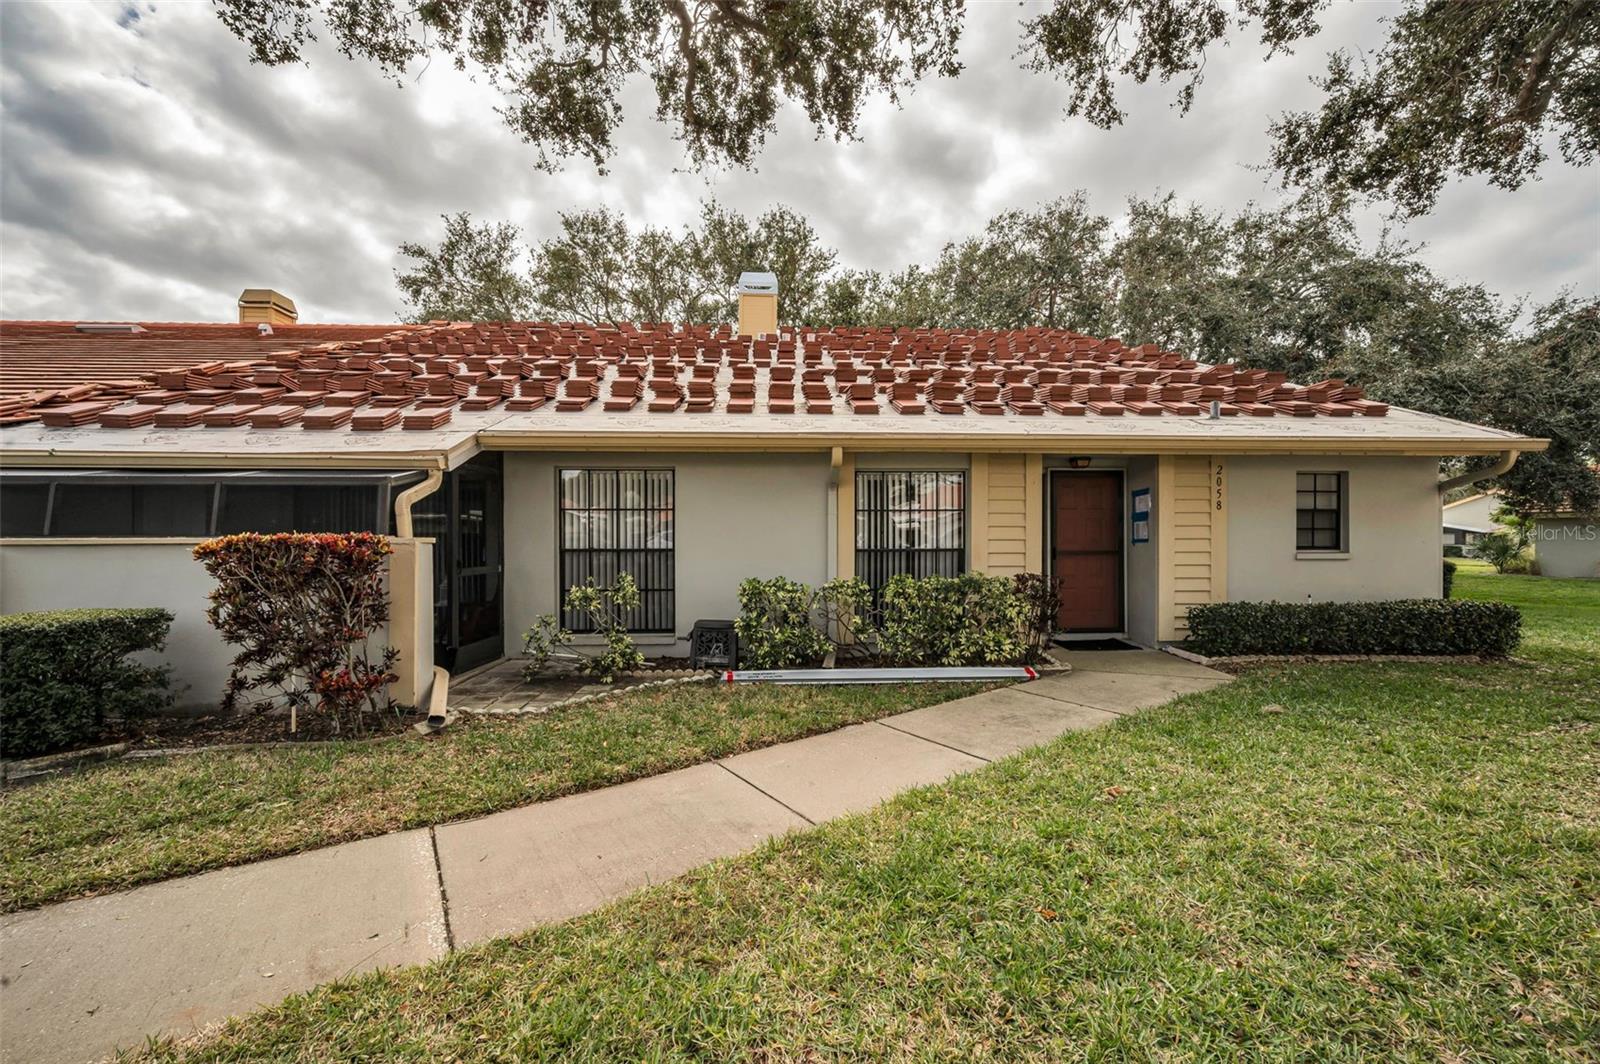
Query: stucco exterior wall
{"points": [[70, 574], [736, 516], [1393, 531], [61, 574], [1568, 547]]}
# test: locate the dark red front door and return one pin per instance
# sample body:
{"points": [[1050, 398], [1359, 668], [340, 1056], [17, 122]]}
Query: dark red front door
{"points": [[1088, 551]]}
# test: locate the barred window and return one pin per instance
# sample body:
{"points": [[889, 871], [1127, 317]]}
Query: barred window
{"points": [[910, 522], [1319, 501], [617, 521]]}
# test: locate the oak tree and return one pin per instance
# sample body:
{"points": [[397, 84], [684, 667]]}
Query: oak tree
{"points": [[1460, 88], [472, 275]]}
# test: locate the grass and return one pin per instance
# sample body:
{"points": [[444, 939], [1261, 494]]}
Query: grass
{"points": [[1561, 617], [138, 821], [1403, 863]]}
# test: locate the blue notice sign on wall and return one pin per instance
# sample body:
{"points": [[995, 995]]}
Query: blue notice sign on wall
{"points": [[1141, 516]]}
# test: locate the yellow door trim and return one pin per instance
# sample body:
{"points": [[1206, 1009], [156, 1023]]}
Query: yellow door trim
{"points": [[1166, 477], [978, 513]]}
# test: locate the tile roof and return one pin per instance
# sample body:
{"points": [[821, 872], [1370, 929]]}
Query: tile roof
{"points": [[418, 377], [38, 357]]}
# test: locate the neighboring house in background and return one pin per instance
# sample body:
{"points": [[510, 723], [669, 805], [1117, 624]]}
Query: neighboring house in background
{"points": [[1469, 519], [511, 460], [1566, 544]]}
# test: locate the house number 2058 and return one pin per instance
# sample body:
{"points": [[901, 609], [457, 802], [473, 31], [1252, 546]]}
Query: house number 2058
{"points": [[1216, 486]]}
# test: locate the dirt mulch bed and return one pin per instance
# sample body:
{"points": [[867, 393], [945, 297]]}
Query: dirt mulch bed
{"points": [[257, 726]]}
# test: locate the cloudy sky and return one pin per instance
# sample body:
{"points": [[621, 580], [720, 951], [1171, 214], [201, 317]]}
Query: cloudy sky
{"points": [[148, 171]]}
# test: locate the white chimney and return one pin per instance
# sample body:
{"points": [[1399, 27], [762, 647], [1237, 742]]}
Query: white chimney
{"points": [[758, 304]]}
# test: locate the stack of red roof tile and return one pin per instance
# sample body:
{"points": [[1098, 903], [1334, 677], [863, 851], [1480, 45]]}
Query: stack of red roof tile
{"points": [[416, 377]]}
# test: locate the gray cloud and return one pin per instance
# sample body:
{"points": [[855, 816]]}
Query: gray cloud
{"points": [[147, 170]]}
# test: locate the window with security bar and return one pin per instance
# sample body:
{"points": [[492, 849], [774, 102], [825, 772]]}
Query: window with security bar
{"points": [[617, 521], [910, 522], [1319, 502]]}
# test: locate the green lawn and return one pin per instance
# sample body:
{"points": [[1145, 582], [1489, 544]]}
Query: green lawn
{"points": [[1404, 864], [1562, 617], [138, 821]]}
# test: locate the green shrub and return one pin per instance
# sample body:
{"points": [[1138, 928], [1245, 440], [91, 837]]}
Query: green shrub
{"points": [[1454, 550], [64, 675], [1040, 604], [784, 624], [775, 624], [302, 607], [1503, 550], [1403, 626], [540, 643], [1449, 577], [840, 610], [607, 608], [971, 619]]}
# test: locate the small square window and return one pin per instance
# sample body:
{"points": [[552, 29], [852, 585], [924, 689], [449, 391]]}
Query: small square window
{"points": [[1320, 518]]}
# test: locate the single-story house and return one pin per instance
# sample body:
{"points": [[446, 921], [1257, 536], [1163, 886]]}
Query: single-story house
{"points": [[1468, 519], [1564, 542], [513, 459]]}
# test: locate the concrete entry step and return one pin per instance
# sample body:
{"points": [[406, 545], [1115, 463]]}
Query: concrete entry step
{"points": [[1121, 692], [1144, 662]]}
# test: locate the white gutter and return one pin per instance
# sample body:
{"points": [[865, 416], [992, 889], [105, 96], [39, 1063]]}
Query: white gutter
{"points": [[1506, 460]]}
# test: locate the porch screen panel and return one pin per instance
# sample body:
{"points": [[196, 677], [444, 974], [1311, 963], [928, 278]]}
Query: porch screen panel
{"points": [[910, 522], [617, 521]]}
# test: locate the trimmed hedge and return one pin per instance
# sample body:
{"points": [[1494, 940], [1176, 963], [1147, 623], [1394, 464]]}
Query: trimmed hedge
{"points": [[1449, 577], [1403, 626], [63, 675]]}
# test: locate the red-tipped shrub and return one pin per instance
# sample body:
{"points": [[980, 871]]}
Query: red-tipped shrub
{"points": [[303, 607]]}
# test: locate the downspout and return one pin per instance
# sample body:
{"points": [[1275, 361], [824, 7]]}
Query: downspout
{"points": [[438, 691], [404, 501], [1506, 460]]}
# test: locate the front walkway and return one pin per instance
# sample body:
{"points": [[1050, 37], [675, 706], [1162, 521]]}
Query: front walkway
{"points": [[80, 978]]}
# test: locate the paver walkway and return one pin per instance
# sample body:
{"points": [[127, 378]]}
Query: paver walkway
{"points": [[81, 978]]}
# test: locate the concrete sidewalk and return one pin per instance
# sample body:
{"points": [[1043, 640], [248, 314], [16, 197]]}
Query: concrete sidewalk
{"points": [[84, 977]]}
